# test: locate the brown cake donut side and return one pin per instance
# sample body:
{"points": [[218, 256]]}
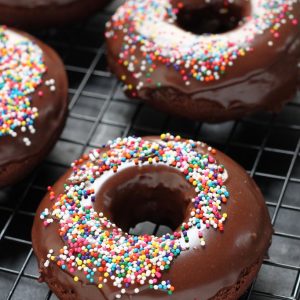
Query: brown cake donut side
{"points": [[224, 269], [17, 159], [31, 14]]}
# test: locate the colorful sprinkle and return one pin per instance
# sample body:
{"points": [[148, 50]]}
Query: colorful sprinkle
{"points": [[21, 71], [150, 38]]}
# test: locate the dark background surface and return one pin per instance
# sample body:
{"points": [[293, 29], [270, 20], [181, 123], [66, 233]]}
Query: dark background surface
{"points": [[266, 145]]}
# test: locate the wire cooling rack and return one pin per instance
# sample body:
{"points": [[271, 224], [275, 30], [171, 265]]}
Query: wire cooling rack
{"points": [[266, 145]]}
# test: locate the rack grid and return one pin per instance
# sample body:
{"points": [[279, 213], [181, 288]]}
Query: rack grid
{"points": [[266, 145]]}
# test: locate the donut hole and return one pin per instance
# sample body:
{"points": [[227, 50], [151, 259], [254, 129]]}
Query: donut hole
{"points": [[141, 199], [211, 19]]}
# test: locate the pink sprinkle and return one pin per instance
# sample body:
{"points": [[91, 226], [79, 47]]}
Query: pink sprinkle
{"points": [[211, 159]]}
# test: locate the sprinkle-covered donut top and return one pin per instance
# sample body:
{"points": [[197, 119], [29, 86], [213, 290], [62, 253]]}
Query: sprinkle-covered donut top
{"points": [[102, 251], [148, 28], [21, 72]]}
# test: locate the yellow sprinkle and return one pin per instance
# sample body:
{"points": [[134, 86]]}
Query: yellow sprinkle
{"points": [[79, 262]]}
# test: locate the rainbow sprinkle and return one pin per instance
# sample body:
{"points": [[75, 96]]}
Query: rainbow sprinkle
{"points": [[21, 71], [150, 38], [103, 252]]}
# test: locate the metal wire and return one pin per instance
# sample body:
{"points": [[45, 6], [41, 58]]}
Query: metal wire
{"points": [[266, 145]]}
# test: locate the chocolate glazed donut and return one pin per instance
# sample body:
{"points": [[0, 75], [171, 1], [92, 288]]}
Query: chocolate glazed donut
{"points": [[165, 54], [17, 159], [223, 269], [45, 13]]}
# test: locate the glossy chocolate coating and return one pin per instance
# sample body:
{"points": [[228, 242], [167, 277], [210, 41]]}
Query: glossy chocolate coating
{"points": [[153, 193], [222, 270], [17, 159], [45, 13], [34, 3], [263, 79]]}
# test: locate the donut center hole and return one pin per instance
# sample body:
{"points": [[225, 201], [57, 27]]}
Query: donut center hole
{"points": [[211, 19], [149, 199]]}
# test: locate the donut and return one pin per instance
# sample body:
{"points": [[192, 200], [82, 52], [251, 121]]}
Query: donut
{"points": [[207, 60], [33, 103], [219, 225], [45, 13]]}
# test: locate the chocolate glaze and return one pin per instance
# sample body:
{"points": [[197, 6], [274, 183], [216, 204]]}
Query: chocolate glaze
{"points": [[222, 270], [45, 13], [263, 79], [17, 159], [34, 3], [164, 199]]}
